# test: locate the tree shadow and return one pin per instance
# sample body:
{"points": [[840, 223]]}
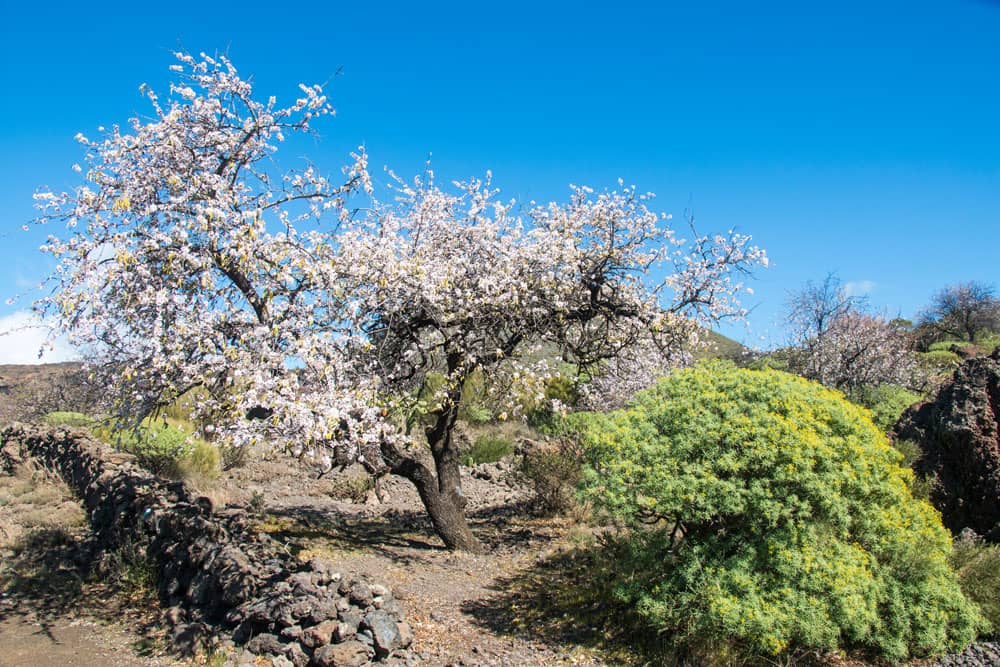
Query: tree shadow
{"points": [[403, 536], [47, 572]]}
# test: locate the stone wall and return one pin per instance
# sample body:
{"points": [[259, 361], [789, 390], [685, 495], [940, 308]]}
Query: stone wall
{"points": [[216, 575]]}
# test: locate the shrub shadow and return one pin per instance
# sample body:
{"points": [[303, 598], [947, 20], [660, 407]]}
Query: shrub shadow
{"points": [[564, 600]]}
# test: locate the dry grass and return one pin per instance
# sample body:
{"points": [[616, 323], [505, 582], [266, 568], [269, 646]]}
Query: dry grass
{"points": [[32, 498]]}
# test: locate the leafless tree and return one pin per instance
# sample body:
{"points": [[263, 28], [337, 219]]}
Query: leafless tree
{"points": [[963, 311]]}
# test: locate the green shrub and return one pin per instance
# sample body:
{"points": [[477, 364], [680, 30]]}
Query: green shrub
{"points": [[887, 403], [776, 360], [475, 414], [488, 448], [940, 361], [978, 566], [767, 512], [71, 419], [165, 447], [989, 342], [553, 471]]}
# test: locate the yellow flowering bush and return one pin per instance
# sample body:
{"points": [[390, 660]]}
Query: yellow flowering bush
{"points": [[765, 511]]}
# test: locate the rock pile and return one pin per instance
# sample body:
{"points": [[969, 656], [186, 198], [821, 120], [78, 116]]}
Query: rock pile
{"points": [[959, 435], [980, 654], [217, 575]]}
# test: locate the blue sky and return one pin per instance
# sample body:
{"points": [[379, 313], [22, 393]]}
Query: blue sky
{"points": [[861, 138]]}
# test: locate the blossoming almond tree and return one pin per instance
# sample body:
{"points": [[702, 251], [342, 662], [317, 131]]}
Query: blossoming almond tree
{"points": [[841, 345], [188, 265], [452, 281]]}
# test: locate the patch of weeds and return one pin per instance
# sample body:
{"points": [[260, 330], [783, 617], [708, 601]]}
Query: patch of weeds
{"points": [[488, 448], [352, 486], [977, 564], [69, 419], [134, 574], [216, 659]]}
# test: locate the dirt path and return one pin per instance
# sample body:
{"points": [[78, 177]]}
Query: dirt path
{"points": [[70, 641], [465, 609]]}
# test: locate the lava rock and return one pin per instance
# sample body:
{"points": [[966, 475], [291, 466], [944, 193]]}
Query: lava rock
{"points": [[348, 654], [318, 635], [959, 437], [385, 632]]}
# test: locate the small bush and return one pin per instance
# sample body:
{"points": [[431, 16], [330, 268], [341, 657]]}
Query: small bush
{"points": [[165, 448], [488, 448], [553, 470], [764, 511], [978, 566], [352, 486], [231, 456], [70, 419], [200, 462]]}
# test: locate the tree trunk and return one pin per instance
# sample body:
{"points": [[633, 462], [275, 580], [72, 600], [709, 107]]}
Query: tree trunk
{"points": [[447, 515], [441, 489]]}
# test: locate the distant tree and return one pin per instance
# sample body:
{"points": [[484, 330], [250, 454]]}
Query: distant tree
{"points": [[837, 343], [812, 309], [963, 311], [189, 264], [856, 350]]}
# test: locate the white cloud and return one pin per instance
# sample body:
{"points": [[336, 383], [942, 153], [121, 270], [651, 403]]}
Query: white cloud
{"points": [[859, 287], [21, 337]]}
